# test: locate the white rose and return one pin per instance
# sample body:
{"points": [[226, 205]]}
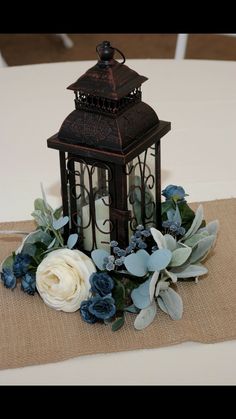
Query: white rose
{"points": [[62, 279]]}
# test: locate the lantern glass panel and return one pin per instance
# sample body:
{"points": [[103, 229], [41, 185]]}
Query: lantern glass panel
{"points": [[89, 203], [142, 189]]}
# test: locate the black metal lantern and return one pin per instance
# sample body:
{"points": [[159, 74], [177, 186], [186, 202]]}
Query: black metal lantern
{"points": [[109, 155]]}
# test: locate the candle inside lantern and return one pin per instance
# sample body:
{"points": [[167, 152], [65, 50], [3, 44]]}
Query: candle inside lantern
{"points": [[102, 231]]}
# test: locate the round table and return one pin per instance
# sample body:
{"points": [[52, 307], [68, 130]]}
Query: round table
{"points": [[199, 98]]}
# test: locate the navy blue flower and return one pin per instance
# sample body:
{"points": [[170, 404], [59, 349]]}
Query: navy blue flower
{"points": [[113, 243], [174, 227], [21, 264], [116, 249], [146, 233], [110, 266], [177, 193], [102, 307], [8, 278], [129, 249], [142, 245], [121, 253], [119, 261], [28, 283], [101, 283], [85, 313]]}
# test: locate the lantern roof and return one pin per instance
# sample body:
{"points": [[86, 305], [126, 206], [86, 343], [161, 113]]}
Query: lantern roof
{"points": [[109, 78]]}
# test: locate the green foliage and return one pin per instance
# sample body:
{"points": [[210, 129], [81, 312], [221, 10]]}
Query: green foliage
{"points": [[118, 323], [118, 294], [8, 262], [187, 214]]}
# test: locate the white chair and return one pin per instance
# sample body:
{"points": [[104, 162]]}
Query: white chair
{"points": [[68, 43], [2, 61], [181, 44]]}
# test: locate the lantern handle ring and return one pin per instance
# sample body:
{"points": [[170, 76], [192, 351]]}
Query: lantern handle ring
{"points": [[106, 52], [122, 55]]}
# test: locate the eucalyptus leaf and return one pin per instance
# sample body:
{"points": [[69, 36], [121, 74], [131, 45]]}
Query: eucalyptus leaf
{"points": [[177, 217], [118, 323], [52, 243], [170, 214], [57, 213], [139, 300], [98, 256], [7, 263], [38, 236], [40, 218], [197, 221], [72, 240], [158, 237], [145, 317], [187, 214], [118, 294], [136, 265], [152, 284], [179, 256], [61, 222], [170, 242], [29, 249], [173, 303], [202, 249], [132, 309], [47, 206], [34, 237], [39, 205], [143, 288], [159, 260], [143, 255], [190, 271], [140, 295], [165, 206]]}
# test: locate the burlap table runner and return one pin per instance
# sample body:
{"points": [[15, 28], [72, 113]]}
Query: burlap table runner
{"points": [[31, 333]]}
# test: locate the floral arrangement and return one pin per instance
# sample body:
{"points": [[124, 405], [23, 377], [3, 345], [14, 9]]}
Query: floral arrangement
{"points": [[139, 279]]}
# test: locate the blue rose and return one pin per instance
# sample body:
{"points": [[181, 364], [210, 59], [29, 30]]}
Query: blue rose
{"points": [[8, 278], [85, 313], [102, 307], [101, 283], [21, 264], [177, 193], [28, 283]]}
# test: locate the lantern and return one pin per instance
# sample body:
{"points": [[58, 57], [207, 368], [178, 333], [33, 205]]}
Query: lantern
{"points": [[109, 155]]}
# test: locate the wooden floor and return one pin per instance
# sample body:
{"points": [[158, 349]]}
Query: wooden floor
{"points": [[20, 49]]}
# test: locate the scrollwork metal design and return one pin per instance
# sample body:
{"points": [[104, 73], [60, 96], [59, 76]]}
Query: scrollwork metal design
{"points": [[88, 195], [141, 183]]}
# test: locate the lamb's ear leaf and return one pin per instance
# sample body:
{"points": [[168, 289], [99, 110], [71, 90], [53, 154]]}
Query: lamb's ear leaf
{"points": [[145, 317], [173, 303], [197, 221]]}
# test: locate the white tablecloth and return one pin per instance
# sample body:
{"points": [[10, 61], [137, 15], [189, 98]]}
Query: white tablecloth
{"points": [[199, 98]]}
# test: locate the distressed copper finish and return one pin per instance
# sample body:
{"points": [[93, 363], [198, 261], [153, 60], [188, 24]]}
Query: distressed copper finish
{"points": [[108, 135]]}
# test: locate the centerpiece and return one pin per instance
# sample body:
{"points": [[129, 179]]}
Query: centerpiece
{"points": [[114, 247]]}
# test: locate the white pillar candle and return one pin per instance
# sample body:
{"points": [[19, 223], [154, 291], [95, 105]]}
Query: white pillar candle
{"points": [[102, 214]]}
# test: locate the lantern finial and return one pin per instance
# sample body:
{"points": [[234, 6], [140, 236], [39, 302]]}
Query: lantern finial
{"points": [[106, 53]]}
